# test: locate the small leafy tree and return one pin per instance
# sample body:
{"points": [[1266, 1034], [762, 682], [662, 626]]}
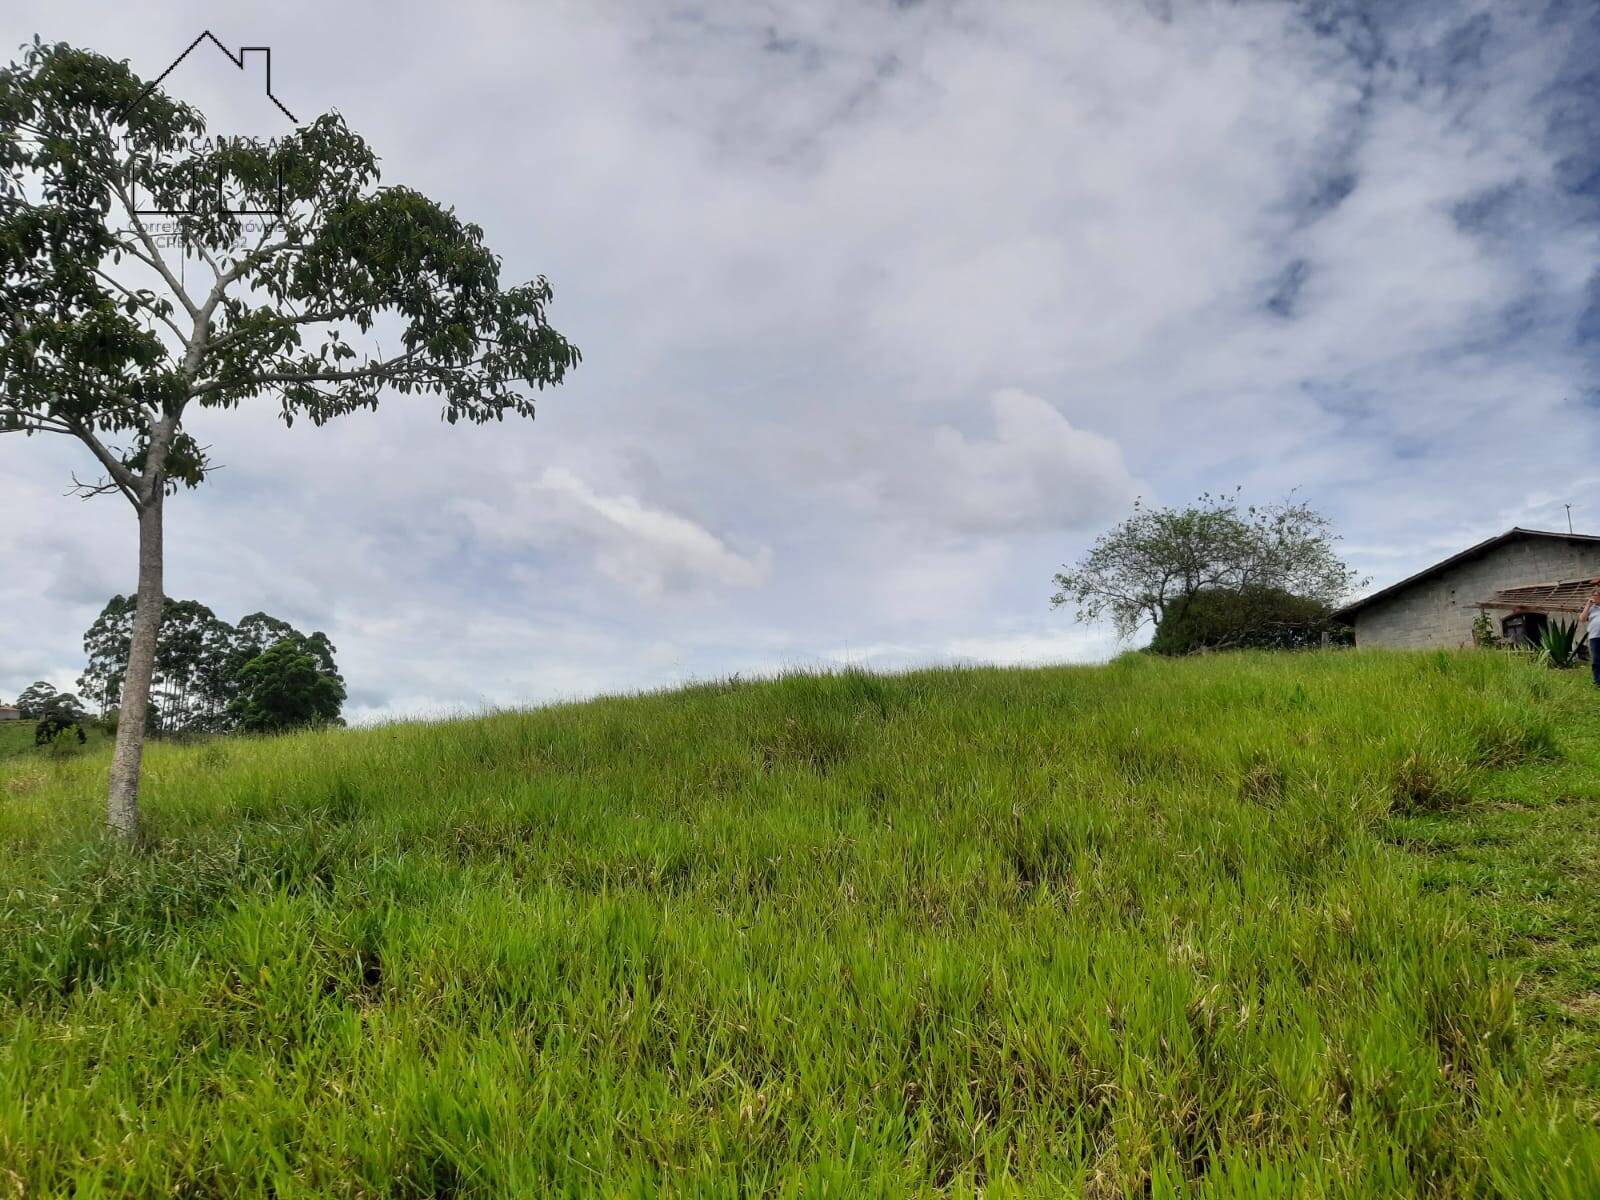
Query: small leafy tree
{"points": [[1483, 633], [1163, 557], [287, 686], [104, 339]]}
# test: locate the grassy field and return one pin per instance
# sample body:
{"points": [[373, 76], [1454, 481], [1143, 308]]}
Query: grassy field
{"points": [[1237, 926]]}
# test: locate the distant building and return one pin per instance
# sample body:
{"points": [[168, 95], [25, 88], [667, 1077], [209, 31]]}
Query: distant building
{"points": [[1521, 579], [10, 712]]}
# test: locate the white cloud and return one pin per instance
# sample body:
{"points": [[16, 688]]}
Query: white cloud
{"points": [[647, 550], [1007, 648], [1026, 468], [1036, 472]]}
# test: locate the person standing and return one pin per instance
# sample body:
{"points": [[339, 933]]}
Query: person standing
{"points": [[1590, 617]]}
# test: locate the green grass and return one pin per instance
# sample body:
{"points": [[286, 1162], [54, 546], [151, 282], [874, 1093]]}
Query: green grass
{"points": [[16, 740], [1236, 926]]}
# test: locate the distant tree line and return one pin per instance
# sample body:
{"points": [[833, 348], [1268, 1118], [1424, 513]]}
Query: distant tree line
{"points": [[52, 712], [262, 675], [1216, 574]]}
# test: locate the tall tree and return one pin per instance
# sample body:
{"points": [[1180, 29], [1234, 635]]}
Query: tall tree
{"points": [[214, 678], [106, 644], [105, 341], [185, 672], [1162, 558], [254, 633]]}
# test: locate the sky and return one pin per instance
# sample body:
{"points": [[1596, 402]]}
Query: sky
{"points": [[887, 311]]}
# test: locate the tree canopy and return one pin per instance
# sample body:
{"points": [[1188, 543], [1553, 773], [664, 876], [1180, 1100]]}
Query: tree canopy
{"points": [[60, 713], [105, 343], [286, 686], [1161, 557], [33, 699]]}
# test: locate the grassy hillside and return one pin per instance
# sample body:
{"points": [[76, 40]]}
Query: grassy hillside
{"points": [[1236, 926], [16, 740]]}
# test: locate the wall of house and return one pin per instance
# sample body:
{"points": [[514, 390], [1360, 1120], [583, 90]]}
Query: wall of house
{"points": [[1439, 610]]}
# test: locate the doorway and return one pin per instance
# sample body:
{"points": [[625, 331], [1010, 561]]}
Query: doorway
{"points": [[1523, 629]]}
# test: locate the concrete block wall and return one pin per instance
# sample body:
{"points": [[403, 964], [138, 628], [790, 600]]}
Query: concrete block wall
{"points": [[1439, 610]]}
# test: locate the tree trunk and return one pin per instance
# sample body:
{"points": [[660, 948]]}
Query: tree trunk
{"points": [[122, 812]]}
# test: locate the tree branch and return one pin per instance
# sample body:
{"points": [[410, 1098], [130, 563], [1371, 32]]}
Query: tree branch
{"points": [[87, 491], [312, 318], [132, 295], [125, 479], [377, 370], [17, 420], [155, 260]]}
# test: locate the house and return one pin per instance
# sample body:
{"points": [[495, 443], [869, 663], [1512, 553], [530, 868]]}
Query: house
{"points": [[1520, 579], [10, 712], [256, 117]]}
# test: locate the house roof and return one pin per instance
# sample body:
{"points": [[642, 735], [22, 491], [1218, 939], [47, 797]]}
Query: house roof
{"points": [[1568, 595], [1470, 552]]}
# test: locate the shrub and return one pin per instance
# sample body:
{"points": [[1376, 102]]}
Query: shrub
{"points": [[1558, 645], [1483, 633], [58, 714], [1253, 618]]}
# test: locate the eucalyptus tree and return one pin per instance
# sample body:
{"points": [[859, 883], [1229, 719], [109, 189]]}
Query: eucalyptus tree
{"points": [[108, 340], [189, 633], [254, 633], [200, 664], [106, 644]]}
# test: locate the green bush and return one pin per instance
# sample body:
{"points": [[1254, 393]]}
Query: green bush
{"points": [[1252, 618], [1558, 644]]}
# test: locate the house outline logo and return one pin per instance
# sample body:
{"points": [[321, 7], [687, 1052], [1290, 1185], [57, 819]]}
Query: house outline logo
{"points": [[239, 61]]}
